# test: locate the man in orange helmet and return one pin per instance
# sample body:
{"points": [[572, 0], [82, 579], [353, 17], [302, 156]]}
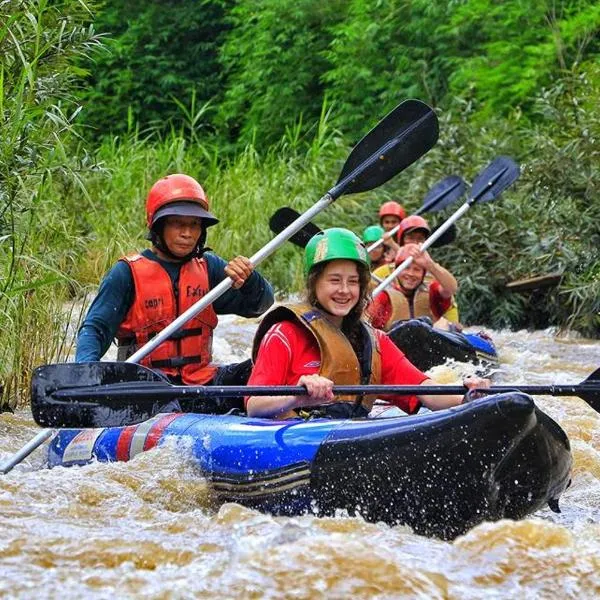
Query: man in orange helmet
{"points": [[390, 215], [413, 295], [414, 230], [145, 292]]}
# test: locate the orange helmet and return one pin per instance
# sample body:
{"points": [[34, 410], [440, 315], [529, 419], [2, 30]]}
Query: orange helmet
{"points": [[413, 223], [178, 194], [391, 208]]}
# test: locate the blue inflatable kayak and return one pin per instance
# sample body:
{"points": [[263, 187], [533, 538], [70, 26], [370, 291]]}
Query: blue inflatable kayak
{"points": [[440, 473], [427, 347]]}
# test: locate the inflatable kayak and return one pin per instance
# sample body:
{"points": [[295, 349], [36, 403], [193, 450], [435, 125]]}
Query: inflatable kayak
{"points": [[427, 347], [440, 473]]}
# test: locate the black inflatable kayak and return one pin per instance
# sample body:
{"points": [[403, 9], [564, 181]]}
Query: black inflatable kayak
{"points": [[427, 347]]}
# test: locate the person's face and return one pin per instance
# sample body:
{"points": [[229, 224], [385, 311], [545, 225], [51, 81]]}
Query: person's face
{"points": [[416, 236], [338, 287], [181, 234], [377, 254], [389, 222], [411, 278]]}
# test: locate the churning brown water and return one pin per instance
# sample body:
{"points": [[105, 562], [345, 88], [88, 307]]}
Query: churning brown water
{"points": [[148, 528]]}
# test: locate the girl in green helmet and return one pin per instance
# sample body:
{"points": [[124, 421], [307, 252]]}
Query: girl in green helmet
{"points": [[325, 340]]}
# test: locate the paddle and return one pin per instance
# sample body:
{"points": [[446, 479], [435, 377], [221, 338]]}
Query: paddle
{"points": [[398, 140], [535, 283], [144, 394], [441, 195], [488, 185]]}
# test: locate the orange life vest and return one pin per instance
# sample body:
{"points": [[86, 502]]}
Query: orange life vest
{"points": [[403, 308], [338, 359], [188, 352]]}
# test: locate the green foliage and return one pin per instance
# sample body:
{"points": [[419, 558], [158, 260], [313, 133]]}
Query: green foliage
{"points": [[274, 61], [254, 68], [509, 50], [383, 53], [156, 54], [546, 223]]}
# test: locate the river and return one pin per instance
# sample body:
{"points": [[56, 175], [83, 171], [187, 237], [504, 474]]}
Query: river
{"points": [[148, 529]]}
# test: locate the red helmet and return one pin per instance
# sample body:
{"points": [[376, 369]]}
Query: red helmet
{"points": [[413, 223], [178, 195], [391, 208]]}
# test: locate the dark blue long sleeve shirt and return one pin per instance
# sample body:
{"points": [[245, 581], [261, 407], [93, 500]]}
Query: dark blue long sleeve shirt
{"points": [[117, 290]]}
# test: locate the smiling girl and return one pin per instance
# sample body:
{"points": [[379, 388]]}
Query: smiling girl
{"points": [[325, 341]]}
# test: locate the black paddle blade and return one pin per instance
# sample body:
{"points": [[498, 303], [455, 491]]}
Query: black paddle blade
{"points": [[494, 179], [443, 194], [285, 216], [396, 142], [49, 379], [589, 390], [446, 238]]}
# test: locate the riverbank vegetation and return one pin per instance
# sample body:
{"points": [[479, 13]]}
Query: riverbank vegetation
{"points": [[263, 106]]}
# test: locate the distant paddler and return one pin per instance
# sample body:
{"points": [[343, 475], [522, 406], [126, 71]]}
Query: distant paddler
{"points": [[325, 341], [413, 294], [390, 215], [370, 235], [143, 293], [415, 230]]}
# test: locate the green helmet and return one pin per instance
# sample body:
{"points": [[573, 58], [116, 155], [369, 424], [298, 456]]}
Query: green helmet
{"points": [[372, 234], [332, 244]]}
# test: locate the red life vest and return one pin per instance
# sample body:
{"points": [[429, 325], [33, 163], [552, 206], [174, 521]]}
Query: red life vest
{"points": [[188, 352]]}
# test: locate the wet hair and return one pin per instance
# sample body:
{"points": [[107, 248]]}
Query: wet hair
{"points": [[157, 239], [351, 324]]}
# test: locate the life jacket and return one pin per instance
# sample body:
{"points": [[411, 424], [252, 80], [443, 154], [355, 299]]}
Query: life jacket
{"points": [[338, 359], [187, 353], [451, 314], [403, 308]]}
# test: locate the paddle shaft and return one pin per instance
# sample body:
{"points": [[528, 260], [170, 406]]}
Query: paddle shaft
{"points": [[159, 391], [489, 185], [26, 450], [222, 287], [333, 194]]}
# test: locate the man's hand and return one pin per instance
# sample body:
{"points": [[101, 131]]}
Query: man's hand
{"points": [[239, 269]]}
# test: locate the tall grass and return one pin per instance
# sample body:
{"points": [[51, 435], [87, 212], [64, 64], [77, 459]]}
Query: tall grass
{"points": [[37, 46], [244, 191]]}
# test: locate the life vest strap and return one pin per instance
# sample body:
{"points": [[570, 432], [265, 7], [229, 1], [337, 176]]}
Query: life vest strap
{"points": [[176, 362]]}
